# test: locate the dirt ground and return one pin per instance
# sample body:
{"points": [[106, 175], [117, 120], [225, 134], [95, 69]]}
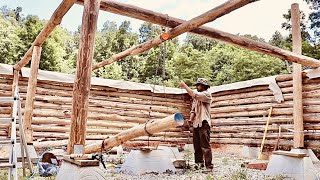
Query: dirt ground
{"points": [[227, 161]]}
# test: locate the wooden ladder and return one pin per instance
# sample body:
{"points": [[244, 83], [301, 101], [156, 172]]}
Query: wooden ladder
{"points": [[12, 142]]}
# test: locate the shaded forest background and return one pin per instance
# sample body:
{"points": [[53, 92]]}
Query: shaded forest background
{"points": [[167, 64]]}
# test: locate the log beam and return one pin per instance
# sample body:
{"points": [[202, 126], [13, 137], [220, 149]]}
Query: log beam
{"points": [[81, 87], [55, 20], [211, 15], [150, 127], [32, 85], [172, 22], [297, 79]]}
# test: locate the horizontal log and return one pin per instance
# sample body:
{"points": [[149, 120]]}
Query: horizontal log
{"points": [[256, 142], [243, 95], [251, 107], [106, 91], [92, 116], [250, 121], [111, 104], [102, 110], [252, 113], [238, 91], [256, 135], [257, 128]]}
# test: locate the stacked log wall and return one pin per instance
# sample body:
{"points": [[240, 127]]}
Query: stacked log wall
{"points": [[238, 116], [111, 110]]}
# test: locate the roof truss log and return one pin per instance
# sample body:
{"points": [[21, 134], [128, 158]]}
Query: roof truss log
{"points": [[55, 20], [172, 22], [186, 26]]}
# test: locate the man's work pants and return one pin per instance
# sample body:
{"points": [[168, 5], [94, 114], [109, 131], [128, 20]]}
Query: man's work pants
{"points": [[201, 144]]}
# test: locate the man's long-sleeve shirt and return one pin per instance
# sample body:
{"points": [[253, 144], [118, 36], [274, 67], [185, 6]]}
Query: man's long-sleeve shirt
{"points": [[201, 107]]}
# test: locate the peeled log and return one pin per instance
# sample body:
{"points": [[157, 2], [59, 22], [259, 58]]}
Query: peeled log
{"points": [[141, 130]]}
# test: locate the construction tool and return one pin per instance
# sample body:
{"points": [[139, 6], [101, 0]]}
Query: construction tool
{"points": [[264, 135]]}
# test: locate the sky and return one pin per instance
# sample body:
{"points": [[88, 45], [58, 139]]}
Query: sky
{"points": [[261, 18]]}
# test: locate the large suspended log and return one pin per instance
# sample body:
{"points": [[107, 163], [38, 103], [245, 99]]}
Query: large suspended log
{"points": [[151, 127], [55, 20], [169, 21], [32, 84], [298, 140], [211, 15], [82, 80]]}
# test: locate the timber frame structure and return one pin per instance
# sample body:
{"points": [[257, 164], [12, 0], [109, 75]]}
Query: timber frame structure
{"points": [[253, 108]]}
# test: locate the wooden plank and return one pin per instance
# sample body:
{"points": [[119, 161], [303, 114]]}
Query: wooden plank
{"points": [[265, 134], [82, 162], [298, 139], [211, 15], [55, 20], [172, 22], [81, 87], [291, 154], [32, 84]]}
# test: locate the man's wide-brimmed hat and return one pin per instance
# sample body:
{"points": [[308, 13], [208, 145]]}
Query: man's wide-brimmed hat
{"points": [[202, 81]]}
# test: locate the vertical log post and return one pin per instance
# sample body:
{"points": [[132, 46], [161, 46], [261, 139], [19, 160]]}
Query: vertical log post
{"points": [[31, 91], [298, 137], [81, 87], [14, 85]]}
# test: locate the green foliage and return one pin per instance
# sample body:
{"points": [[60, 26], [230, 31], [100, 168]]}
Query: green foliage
{"points": [[231, 64], [190, 64], [200, 43], [9, 41]]}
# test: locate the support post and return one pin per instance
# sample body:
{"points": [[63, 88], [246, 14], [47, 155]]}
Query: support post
{"points": [[298, 137], [14, 85], [81, 86], [31, 91]]}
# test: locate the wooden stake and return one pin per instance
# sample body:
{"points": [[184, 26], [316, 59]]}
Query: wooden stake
{"points": [[81, 87], [32, 85], [265, 134], [211, 15], [297, 79], [172, 22], [55, 20]]}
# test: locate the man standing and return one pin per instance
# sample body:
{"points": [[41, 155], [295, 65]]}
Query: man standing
{"points": [[200, 120]]}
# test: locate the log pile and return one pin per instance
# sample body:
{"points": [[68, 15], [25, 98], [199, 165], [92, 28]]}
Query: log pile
{"points": [[238, 116]]}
